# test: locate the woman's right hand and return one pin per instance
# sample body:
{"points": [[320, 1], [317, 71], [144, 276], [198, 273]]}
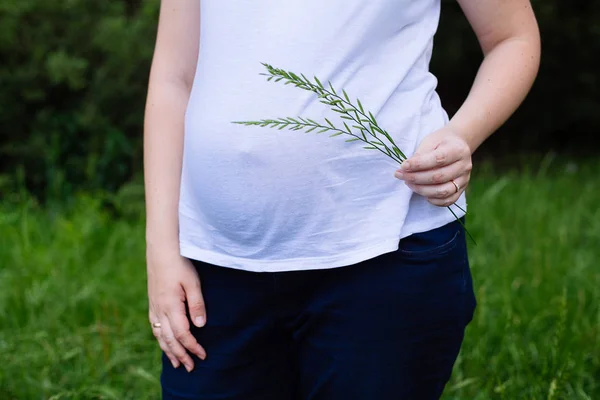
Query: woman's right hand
{"points": [[173, 282]]}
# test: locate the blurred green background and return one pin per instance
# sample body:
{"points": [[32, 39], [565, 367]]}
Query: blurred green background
{"points": [[73, 323], [73, 77]]}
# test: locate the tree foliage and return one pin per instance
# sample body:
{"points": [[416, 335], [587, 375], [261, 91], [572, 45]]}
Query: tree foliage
{"points": [[560, 114], [73, 79]]}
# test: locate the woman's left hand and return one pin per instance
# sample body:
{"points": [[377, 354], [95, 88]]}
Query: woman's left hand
{"points": [[440, 168]]}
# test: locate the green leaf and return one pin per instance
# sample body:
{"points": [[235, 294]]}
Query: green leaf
{"points": [[387, 135], [398, 152], [311, 129], [330, 124], [376, 128], [347, 117], [347, 128], [370, 148], [331, 87], [352, 140], [319, 83], [360, 106], [336, 134], [373, 117], [323, 130], [346, 95]]}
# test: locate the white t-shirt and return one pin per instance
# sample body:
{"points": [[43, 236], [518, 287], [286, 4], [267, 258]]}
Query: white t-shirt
{"points": [[263, 199]]}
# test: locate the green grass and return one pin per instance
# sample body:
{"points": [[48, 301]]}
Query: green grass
{"points": [[73, 319]]}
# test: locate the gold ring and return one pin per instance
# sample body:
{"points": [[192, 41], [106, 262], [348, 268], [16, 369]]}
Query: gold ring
{"points": [[455, 185], [156, 325]]}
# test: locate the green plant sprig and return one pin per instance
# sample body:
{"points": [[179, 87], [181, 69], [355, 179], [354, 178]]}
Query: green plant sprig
{"points": [[365, 122], [310, 125], [347, 111]]}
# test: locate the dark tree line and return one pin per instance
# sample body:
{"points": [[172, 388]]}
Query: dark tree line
{"points": [[73, 77]]}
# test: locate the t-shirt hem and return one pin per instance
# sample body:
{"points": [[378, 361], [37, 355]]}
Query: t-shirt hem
{"points": [[296, 264], [313, 263], [429, 224]]}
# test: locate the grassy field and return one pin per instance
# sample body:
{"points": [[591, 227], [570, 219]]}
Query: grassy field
{"points": [[73, 299]]}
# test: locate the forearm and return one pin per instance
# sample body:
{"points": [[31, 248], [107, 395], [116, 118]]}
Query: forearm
{"points": [[171, 78], [163, 153], [502, 83]]}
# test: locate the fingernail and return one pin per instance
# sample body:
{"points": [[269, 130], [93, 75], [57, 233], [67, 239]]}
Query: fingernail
{"points": [[399, 174], [189, 368], [200, 353], [200, 321], [175, 364], [405, 165]]}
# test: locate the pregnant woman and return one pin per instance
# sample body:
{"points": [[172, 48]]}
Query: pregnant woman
{"points": [[285, 265]]}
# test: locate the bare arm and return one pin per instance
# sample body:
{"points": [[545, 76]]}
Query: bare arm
{"points": [[171, 78], [509, 37], [173, 282], [507, 31]]}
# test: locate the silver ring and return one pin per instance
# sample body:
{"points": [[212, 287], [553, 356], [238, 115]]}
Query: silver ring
{"points": [[156, 325], [455, 185]]}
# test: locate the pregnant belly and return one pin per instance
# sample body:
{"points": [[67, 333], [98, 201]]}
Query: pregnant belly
{"points": [[276, 190], [247, 195]]}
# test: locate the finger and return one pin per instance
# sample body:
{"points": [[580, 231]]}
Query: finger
{"points": [[195, 303], [174, 346], [450, 200], [181, 331], [444, 154], [157, 332], [447, 202], [436, 176], [442, 191], [165, 348]]}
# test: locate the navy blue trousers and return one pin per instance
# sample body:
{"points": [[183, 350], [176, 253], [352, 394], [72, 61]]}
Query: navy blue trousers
{"points": [[386, 328]]}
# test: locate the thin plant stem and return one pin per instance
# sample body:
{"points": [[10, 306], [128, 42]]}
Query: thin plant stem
{"points": [[282, 123]]}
